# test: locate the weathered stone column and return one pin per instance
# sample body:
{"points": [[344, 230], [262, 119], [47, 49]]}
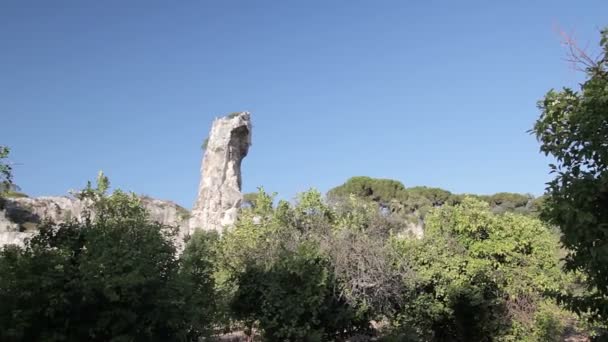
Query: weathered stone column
{"points": [[219, 193]]}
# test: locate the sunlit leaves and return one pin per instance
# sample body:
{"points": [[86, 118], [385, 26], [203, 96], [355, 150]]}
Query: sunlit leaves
{"points": [[573, 129]]}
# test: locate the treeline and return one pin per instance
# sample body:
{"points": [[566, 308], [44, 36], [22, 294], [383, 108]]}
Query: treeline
{"points": [[393, 195], [298, 272]]}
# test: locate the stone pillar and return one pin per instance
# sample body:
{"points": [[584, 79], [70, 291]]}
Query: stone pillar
{"points": [[219, 193]]}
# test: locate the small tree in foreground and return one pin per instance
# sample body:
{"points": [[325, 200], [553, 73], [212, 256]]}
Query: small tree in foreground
{"points": [[573, 129], [114, 276]]}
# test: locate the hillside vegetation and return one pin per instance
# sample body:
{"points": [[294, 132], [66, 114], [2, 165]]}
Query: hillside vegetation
{"points": [[393, 195]]}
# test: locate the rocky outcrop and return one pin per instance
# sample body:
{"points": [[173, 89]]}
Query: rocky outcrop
{"points": [[219, 193], [20, 217]]}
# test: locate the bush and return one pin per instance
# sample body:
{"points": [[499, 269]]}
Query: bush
{"points": [[283, 276], [294, 299], [79, 282], [197, 282], [112, 277], [480, 276], [549, 323]]}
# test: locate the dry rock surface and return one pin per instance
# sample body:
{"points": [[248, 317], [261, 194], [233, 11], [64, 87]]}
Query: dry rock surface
{"points": [[20, 217], [219, 193]]}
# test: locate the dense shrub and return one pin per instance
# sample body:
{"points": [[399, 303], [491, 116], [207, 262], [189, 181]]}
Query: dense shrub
{"points": [[294, 299], [307, 271], [113, 277], [475, 276], [480, 276], [280, 276]]}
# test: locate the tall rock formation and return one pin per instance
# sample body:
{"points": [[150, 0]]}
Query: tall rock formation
{"points": [[219, 193], [218, 202]]}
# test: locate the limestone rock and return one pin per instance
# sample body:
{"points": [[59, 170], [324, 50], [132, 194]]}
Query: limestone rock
{"points": [[218, 202], [219, 193], [20, 217]]}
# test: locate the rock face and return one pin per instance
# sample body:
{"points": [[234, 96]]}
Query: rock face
{"points": [[20, 217], [217, 205], [219, 193]]}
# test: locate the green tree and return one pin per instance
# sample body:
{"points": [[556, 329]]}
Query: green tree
{"points": [[197, 282], [276, 266], [480, 276], [294, 299], [112, 277], [573, 129], [375, 189], [417, 201], [508, 202]]}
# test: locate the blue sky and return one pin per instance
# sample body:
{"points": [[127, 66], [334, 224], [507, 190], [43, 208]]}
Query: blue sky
{"points": [[436, 93]]}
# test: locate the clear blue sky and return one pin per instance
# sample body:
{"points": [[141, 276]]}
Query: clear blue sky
{"points": [[436, 93]]}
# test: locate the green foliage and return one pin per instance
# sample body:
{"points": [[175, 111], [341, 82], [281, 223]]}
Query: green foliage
{"points": [[419, 200], [572, 129], [307, 271], [482, 271], [508, 202], [293, 299], [112, 277], [434, 196], [475, 276], [549, 323], [6, 170], [119, 208], [198, 282], [480, 275], [392, 195], [280, 274], [536, 205], [254, 236], [379, 190], [516, 200], [14, 194]]}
